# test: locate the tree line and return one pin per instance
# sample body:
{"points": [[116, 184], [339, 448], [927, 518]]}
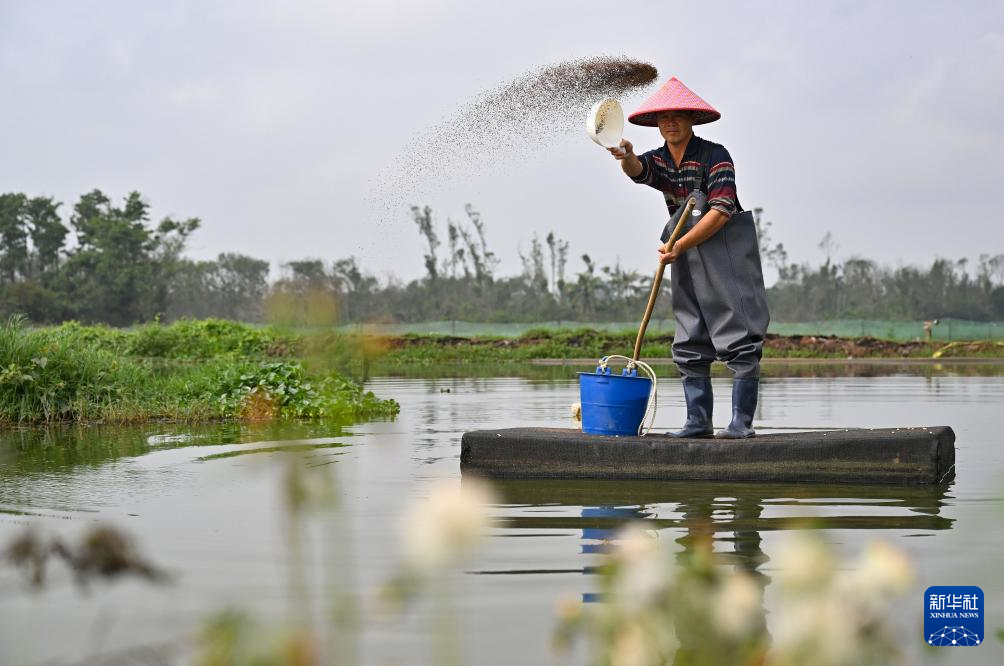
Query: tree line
{"points": [[108, 262]]}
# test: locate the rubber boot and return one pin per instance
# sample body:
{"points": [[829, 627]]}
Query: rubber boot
{"points": [[744, 398], [700, 400]]}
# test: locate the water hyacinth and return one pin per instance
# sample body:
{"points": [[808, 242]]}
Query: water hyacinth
{"points": [[281, 388]]}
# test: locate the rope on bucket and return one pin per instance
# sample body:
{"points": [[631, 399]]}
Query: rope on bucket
{"points": [[653, 394]]}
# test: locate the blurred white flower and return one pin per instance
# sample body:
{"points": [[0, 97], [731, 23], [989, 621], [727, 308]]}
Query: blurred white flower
{"points": [[881, 573], [818, 626], [631, 648], [836, 617], [821, 615], [737, 604], [802, 562], [634, 544], [643, 570], [883, 569], [568, 608], [441, 528]]}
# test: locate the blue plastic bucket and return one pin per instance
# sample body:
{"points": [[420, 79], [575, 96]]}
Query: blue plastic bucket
{"points": [[612, 404]]}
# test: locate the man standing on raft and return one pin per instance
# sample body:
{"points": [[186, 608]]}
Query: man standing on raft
{"points": [[718, 294]]}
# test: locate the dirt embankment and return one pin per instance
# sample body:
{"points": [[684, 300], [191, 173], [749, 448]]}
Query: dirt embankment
{"points": [[586, 344], [830, 345]]}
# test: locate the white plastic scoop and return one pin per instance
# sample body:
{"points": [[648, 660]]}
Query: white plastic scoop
{"points": [[605, 123]]}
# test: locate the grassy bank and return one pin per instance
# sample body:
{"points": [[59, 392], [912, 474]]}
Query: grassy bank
{"points": [[190, 370], [220, 370], [586, 343]]}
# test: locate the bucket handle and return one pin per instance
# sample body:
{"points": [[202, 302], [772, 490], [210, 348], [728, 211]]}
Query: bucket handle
{"points": [[603, 369]]}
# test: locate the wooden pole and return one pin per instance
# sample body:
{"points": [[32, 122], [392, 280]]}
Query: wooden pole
{"points": [[657, 282]]}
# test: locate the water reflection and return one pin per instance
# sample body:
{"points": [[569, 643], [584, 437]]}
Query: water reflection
{"points": [[43, 470], [732, 516], [727, 520], [63, 448], [730, 507]]}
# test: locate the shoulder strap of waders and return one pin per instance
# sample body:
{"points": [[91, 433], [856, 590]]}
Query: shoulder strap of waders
{"points": [[705, 172]]}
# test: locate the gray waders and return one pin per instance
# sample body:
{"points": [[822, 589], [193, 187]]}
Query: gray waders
{"points": [[720, 305]]}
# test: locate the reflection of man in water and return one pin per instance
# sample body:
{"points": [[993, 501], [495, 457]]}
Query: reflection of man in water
{"points": [[698, 519], [702, 517], [705, 514], [613, 519]]}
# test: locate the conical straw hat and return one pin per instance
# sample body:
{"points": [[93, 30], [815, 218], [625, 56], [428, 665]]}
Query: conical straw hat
{"points": [[674, 96]]}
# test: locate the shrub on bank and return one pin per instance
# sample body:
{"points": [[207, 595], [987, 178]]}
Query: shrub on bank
{"points": [[43, 378], [183, 339], [207, 338], [193, 370]]}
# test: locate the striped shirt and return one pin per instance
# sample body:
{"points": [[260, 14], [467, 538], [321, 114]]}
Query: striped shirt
{"points": [[658, 170]]}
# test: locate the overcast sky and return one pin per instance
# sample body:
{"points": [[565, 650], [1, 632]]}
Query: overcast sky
{"points": [[277, 123]]}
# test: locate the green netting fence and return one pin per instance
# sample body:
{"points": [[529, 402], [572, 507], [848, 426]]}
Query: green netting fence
{"points": [[899, 330]]}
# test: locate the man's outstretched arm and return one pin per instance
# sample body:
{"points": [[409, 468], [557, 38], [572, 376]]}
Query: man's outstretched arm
{"points": [[630, 163]]}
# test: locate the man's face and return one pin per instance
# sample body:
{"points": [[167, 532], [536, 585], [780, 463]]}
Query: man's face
{"points": [[675, 126]]}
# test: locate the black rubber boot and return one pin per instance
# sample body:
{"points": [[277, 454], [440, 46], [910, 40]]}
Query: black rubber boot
{"points": [[744, 398], [700, 400]]}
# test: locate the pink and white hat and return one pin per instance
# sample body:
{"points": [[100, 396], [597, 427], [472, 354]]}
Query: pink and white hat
{"points": [[674, 96]]}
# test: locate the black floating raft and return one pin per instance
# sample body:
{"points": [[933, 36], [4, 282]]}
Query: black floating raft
{"points": [[908, 456]]}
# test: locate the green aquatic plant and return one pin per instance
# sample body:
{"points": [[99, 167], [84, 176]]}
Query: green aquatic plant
{"points": [[283, 389]]}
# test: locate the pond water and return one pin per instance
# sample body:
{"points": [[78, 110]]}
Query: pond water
{"points": [[202, 503]]}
